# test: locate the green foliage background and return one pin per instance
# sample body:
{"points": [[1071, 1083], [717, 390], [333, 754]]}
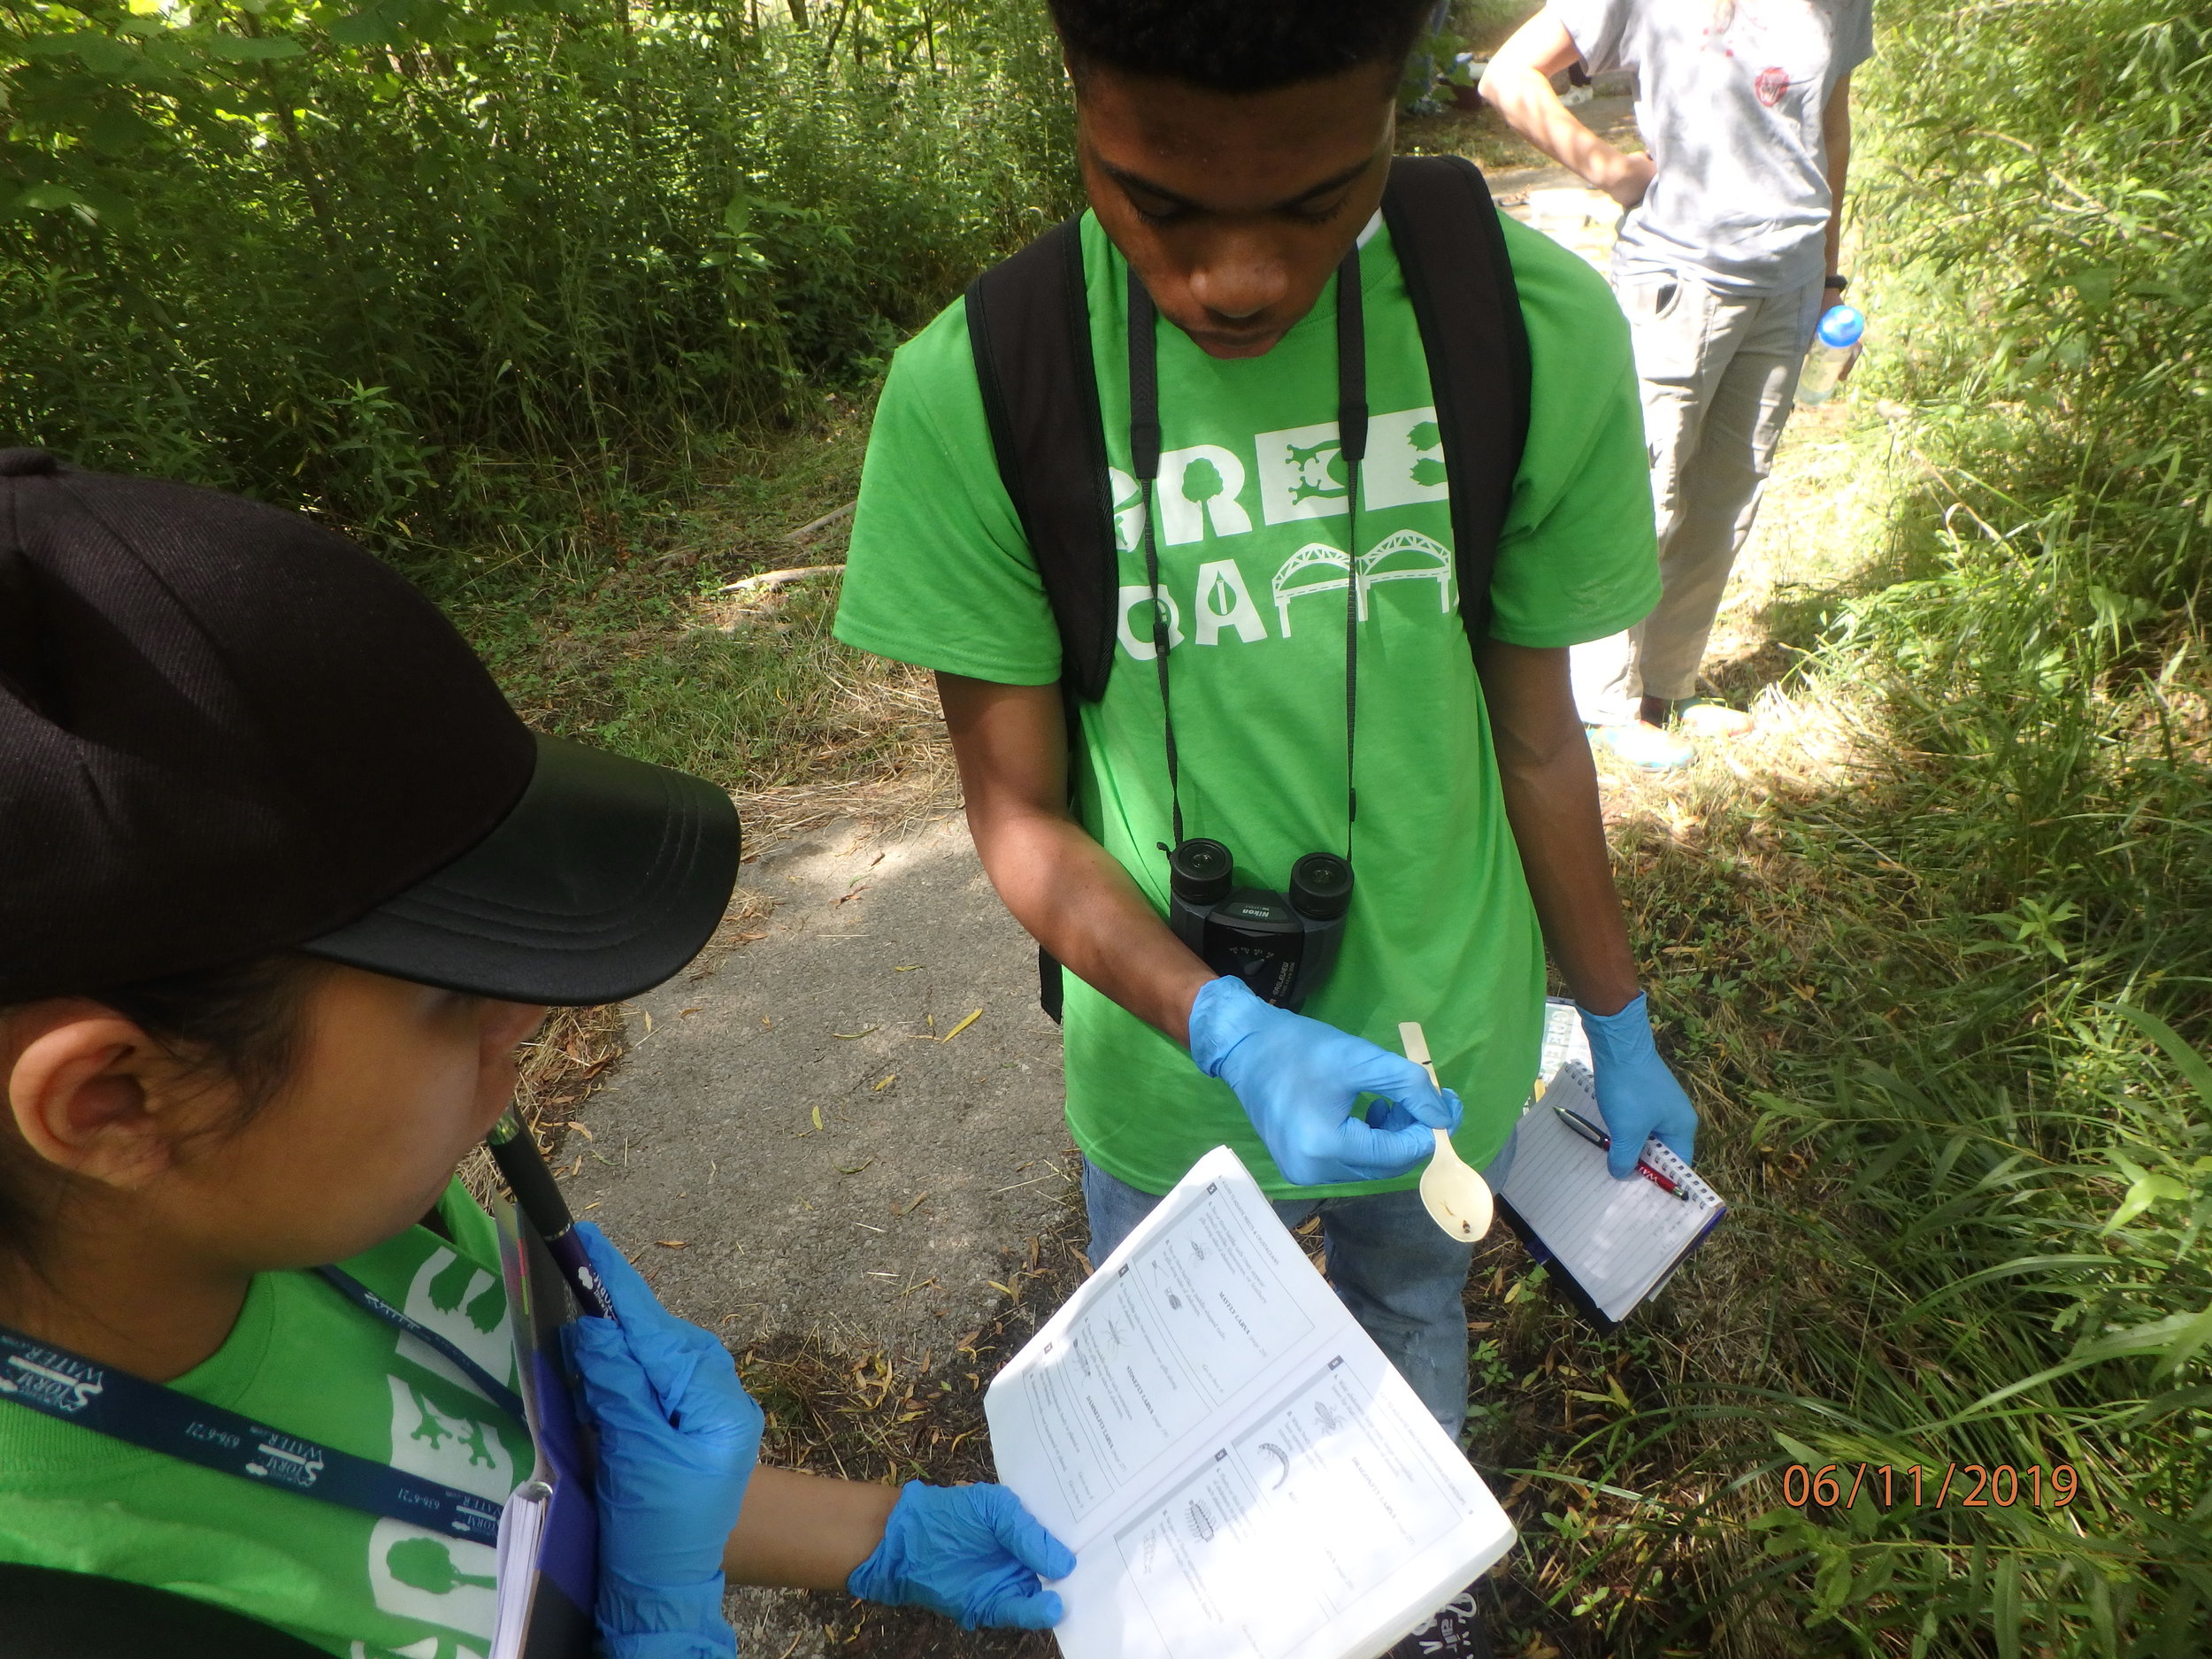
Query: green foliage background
{"points": [[324, 255]]}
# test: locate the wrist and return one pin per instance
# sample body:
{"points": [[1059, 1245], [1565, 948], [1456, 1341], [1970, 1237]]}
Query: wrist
{"points": [[1181, 1000], [1610, 1001], [668, 1644], [879, 1577], [1221, 1016], [1621, 1039], [657, 1620]]}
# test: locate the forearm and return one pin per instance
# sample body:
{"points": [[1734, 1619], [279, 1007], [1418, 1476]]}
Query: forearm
{"points": [[1517, 85], [1078, 902], [1550, 786], [1553, 809], [1524, 97], [804, 1532], [1836, 139]]}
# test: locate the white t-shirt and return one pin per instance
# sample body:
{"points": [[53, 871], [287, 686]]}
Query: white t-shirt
{"points": [[1729, 101]]}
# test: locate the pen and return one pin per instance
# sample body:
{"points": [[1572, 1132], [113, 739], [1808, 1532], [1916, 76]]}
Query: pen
{"points": [[1598, 1138], [539, 1200]]}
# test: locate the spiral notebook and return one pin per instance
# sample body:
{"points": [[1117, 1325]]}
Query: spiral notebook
{"points": [[1616, 1242]]}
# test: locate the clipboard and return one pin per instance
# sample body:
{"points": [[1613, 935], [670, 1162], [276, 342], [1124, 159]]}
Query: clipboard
{"points": [[549, 1533]]}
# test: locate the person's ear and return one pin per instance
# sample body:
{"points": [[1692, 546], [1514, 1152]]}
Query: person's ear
{"points": [[88, 1092]]}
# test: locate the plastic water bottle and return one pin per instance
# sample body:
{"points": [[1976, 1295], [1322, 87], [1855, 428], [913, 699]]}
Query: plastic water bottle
{"points": [[1835, 343]]}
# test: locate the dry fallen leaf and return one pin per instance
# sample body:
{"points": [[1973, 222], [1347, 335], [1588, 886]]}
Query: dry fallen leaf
{"points": [[853, 1036], [964, 1025], [817, 1117], [673, 1244], [889, 1078]]}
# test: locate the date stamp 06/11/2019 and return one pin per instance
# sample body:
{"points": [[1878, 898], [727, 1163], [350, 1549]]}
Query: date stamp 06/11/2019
{"points": [[1970, 1485]]}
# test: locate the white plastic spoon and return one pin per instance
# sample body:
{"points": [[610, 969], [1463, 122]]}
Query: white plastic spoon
{"points": [[1456, 1198]]}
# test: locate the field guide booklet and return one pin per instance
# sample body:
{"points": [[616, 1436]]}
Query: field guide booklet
{"points": [[1240, 1471]]}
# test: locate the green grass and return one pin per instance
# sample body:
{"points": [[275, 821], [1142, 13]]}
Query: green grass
{"points": [[1946, 1004], [619, 631]]}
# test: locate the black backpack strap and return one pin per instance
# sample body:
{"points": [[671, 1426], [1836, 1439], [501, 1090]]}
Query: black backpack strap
{"points": [[54, 1614], [1030, 331], [1460, 279]]}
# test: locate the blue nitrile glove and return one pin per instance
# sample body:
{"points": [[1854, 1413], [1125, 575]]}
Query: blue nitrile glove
{"points": [[1298, 1079], [1637, 1094], [971, 1553], [677, 1439]]}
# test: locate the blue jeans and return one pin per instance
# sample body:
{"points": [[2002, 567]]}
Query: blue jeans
{"points": [[1398, 1271]]}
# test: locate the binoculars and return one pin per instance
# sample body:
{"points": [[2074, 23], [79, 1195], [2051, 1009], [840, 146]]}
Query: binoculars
{"points": [[1282, 944]]}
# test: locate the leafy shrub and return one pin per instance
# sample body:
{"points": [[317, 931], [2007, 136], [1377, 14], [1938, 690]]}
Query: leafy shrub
{"points": [[323, 256], [2010, 1233]]}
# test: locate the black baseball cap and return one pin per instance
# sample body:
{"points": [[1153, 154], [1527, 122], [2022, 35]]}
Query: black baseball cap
{"points": [[226, 731]]}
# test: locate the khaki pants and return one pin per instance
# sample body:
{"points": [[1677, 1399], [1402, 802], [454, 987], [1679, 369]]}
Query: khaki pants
{"points": [[1718, 373]]}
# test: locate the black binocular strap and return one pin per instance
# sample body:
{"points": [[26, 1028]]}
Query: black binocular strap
{"points": [[1351, 442], [1144, 459], [1144, 462], [1029, 332]]}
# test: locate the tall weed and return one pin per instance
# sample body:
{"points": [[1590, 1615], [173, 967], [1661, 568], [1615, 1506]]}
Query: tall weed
{"points": [[1984, 1133]]}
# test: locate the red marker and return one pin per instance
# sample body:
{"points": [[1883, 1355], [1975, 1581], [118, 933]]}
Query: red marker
{"points": [[1598, 1138]]}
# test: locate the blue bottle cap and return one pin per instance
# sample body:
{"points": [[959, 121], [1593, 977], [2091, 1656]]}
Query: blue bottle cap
{"points": [[1841, 326]]}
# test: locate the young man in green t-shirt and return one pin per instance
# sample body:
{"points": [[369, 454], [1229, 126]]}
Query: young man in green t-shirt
{"points": [[1234, 155]]}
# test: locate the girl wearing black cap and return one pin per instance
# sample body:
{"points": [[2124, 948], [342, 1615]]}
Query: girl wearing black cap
{"points": [[284, 883]]}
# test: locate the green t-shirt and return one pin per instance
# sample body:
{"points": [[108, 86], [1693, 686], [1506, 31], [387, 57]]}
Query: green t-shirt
{"points": [[303, 1359], [1252, 513]]}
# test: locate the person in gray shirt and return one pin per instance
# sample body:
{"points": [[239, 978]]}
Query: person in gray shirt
{"points": [[1726, 257]]}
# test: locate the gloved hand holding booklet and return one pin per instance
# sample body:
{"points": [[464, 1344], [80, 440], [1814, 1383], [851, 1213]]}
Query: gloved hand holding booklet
{"points": [[1237, 1467]]}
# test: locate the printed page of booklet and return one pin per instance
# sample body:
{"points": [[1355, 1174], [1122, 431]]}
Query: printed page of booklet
{"points": [[1240, 1471]]}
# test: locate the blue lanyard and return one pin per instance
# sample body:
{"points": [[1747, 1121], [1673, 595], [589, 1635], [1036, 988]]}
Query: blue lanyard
{"points": [[73, 1389], [358, 1294]]}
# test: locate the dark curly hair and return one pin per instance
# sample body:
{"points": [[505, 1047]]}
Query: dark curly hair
{"points": [[240, 1023], [1240, 46]]}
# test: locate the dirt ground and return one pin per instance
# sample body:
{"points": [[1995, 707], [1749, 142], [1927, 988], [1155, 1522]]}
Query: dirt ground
{"points": [[832, 1125]]}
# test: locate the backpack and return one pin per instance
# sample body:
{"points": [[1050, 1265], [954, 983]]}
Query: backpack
{"points": [[56, 1615], [1029, 330]]}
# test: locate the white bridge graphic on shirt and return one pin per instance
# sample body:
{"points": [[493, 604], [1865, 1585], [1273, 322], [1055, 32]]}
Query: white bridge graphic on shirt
{"points": [[1319, 568]]}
